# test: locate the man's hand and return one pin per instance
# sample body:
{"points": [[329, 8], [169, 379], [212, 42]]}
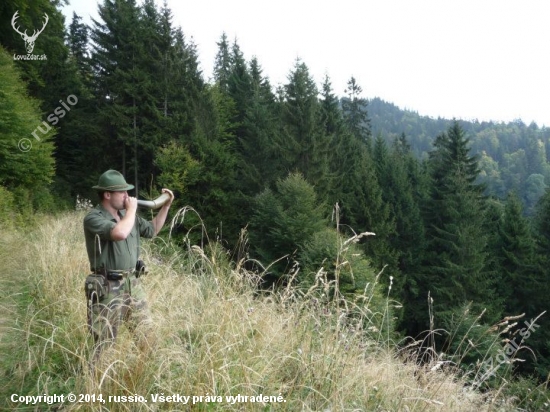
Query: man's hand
{"points": [[169, 202], [130, 204], [160, 218], [125, 225]]}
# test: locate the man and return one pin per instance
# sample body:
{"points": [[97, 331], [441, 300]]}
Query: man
{"points": [[112, 231]]}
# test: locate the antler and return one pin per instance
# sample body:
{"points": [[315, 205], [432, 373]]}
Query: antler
{"points": [[36, 33], [29, 40], [15, 16]]}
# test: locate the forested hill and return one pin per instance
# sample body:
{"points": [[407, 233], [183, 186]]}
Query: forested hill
{"points": [[513, 156], [390, 121], [292, 181]]}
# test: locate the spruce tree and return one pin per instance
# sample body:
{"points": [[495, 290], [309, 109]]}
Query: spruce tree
{"points": [[284, 220], [356, 187], [331, 114], [537, 300], [77, 129], [154, 76], [405, 199], [303, 145], [239, 86], [359, 197], [455, 265], [334, 128], [517, 263], [356, 114], [184, 87], [131, 46], [115, 38], [78, 44], [222, 64], [255, 142], [392, 187], [212, 144], [406, 242]]}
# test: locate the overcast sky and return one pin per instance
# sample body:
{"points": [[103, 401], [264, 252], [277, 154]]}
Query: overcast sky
{"points": [[469, 59]]}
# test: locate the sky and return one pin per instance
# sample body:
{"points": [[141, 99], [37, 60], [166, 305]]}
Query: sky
{"points": [[464, 59]]}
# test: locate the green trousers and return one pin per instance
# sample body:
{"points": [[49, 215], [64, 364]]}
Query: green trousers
{"points": [[124, 301]]}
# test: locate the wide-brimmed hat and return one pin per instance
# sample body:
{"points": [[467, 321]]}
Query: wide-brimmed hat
{"points": [[112, 181]]}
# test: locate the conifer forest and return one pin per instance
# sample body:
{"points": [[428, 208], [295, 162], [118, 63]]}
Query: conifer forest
{"points": [[453, 216]]}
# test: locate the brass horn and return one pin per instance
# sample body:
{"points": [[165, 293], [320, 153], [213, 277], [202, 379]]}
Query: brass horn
{"points": [[154, 204]]}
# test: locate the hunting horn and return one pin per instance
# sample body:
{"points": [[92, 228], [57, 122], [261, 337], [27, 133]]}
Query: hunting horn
{"points": [[154, 204]]}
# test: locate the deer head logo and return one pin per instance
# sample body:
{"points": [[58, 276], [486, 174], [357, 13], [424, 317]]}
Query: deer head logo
{"points": [[29, 40]]}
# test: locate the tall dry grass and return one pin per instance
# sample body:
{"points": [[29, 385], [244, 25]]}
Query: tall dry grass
{"points": [[213, 335]]}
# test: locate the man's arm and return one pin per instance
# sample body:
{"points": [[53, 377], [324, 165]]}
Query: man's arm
{"points": [[160, 218], [123, 228]]}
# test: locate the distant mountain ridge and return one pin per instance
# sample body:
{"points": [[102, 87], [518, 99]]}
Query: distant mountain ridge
{"points": [[391, 121], [512, 156]]}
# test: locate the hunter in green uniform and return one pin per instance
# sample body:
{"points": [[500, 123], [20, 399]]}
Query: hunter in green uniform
{"points": [[112, 231]]}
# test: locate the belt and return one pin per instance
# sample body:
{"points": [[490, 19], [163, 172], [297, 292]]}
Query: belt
{"points": [[115, 274]]}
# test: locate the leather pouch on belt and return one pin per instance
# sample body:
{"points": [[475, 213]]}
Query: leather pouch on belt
{"points": [[95, 287]]}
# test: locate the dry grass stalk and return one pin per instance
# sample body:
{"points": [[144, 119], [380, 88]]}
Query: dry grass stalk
{"points": [[214, 334]]}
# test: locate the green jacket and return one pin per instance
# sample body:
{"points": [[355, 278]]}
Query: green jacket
{"points": [[104, 253]]}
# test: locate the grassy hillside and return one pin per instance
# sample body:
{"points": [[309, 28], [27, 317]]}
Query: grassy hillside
{"points": [[213, 337]]}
